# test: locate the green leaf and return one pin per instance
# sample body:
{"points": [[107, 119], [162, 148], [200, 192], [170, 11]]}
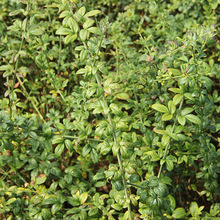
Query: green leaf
{"points": [[134, 178], [161, 190], [172, 202], [99, 176], [16, 12], [74, 202], [10, 201], [194, 209], [154, 155], [46, 214], [115, 109], [63, 31], [179, 213], [115, 149], [84, 197], [36, 32], [94, 30], [118, 185], [181, 119], [49, 199], [70, 38], [69, 145], [177, 99], [194, 119], [86, 150], [65, 13], [122, 96], [174, 72], [160, 108], [93, 211], [189, 96], [55, 208], [82, 10], [6, 67], [117, 207], [79, 126], [94, 156], [57, 139], [105, 148], [92, 13], [175, 90], [167, 117], [59, 150], [73, 25], [171, 107], [184, 58], [41, 179], [83, 34], [207, 82], [89, 22], [169, 165], [83, 56], [165, 140], [186, 111]]}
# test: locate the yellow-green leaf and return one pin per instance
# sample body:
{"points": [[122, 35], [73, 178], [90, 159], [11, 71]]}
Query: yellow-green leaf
{"points": [[177, 99], [41, 179], [92, 13], [83, 197], [160, 108], [122, 95], [167, 117], [194, 119]]}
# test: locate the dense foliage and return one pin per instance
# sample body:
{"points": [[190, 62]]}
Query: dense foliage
{"points": [[109, 109]]}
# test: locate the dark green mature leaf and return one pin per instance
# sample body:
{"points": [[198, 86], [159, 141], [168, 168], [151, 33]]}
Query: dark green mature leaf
{"points": [[50, 199], [93, 211], [69, 145], [86, 150], [94, 155], [134, 178], [46, 214], [59, 150]]}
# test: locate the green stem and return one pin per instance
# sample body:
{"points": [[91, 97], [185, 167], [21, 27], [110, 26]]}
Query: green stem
{"points": [[87, 139], [32, 99], [140, 115], [167, 146], [132, 184], [18, 78], [16, 67], [97, 76], [116, 142]]}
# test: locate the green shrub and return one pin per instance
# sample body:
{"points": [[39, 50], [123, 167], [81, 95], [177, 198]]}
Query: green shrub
{"points": [[109, 110]]}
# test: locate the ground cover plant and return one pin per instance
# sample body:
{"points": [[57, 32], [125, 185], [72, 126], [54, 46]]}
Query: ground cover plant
{"points": [[109, 109]]}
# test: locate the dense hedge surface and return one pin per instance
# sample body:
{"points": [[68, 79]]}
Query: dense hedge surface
{"points": [[109, 109]]}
